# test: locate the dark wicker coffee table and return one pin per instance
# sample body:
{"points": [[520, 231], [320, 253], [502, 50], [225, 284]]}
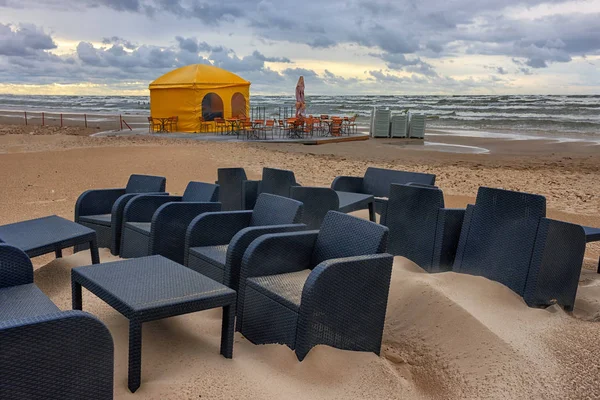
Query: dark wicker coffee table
{"points": [[49, 234], [150, 288]]}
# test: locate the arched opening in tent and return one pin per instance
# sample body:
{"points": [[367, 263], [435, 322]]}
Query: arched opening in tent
{"points": [[238, 105], [212, 107]]}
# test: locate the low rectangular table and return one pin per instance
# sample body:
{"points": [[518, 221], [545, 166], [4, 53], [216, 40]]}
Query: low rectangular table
{"points": [[151, 288], [49, 234], [350, 202]]}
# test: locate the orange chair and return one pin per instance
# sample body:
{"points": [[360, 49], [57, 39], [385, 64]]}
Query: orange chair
{"points": [[220, 125], [248, 129], [336, 127], [173, 123], [153, 126], [269, 127], [204, 125]]}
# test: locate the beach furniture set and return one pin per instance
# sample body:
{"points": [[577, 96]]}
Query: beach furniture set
{"points": [[285, 263]]}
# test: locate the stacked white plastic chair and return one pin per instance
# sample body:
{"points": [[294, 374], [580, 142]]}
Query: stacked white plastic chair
{"points": [[399, 126], [417, 126], [381, 124]]}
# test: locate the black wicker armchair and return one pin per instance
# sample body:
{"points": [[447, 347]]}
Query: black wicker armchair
{"points": [[317, 287], [274, 181], [102, 209], [215, 242], [156, 225], [46, 353], [421, 228], [506, 238], [376, 182]]}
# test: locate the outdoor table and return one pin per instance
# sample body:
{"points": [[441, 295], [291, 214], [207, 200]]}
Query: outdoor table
{"points": [[350, 202], [49, 234], [295, 131], [163, 123], [234, 123], [152, 288]]}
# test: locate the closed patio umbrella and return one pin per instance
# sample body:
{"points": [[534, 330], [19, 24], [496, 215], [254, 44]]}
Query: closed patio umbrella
{"points": [[300, 104]]}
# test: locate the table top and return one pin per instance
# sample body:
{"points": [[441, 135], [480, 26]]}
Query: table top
{"points": [[153, 286], [591, 234], [43, 232], [350, 200]]}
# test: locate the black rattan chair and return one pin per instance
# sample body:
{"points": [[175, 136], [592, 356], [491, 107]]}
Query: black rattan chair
{"points": [[215, 242], [231, 182], [156, 225], [317, 287], [377, 182], [421, 229], [46, 353], [507, 238], [274, 181], [102, 209]]}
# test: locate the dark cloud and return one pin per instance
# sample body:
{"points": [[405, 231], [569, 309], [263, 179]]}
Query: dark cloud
{"points": [[24, 41], [117, 40]]}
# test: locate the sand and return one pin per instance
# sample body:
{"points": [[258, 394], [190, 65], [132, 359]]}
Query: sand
{"points": [[447, 336]]}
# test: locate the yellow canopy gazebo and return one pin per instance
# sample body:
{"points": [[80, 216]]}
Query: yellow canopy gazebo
{"points": [[199, 93]]}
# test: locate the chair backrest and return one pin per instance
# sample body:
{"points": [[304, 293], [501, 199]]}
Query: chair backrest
{"points": [[277, 181], [15, 266], [145, 184], [412, 216], [378, 180], [201, 192], [498, 236], [318, 201], [342, 235], [230, 187], [276, 210]]}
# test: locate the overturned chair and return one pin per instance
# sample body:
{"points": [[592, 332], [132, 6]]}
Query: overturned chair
{"points": [[215, 242], [421, 228], [157, 224], [507, 238], [317, 287], [46, 353], [102, 209]]}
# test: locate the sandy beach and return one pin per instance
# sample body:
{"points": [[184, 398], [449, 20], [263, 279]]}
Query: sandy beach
{"points": [[447, 336]]}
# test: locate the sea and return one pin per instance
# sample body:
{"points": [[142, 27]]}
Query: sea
{"points": [[486, 116]]}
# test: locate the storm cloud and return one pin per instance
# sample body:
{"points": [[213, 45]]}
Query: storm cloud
{"points": [[272, 42]]}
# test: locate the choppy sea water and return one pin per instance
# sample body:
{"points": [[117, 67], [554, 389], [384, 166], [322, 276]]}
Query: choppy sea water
{"points": [[554, 116]]}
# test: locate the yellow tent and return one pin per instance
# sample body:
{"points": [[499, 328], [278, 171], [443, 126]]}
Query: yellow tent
{"points": [[199, 93]]}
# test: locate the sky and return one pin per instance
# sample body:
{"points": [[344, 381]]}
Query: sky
{"points": [[103, 47]]}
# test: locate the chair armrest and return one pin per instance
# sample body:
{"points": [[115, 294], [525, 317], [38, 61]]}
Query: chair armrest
{"points": [[142, 207], [449, 225], [556, 264], [117, 219], [463, 237], [63, 355], [352, 184], [169, 226], [383, 203], [348, 296], [272, 254], [15, 267], [215, 228], [249, 194], [95, 202], [240, 242]]}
